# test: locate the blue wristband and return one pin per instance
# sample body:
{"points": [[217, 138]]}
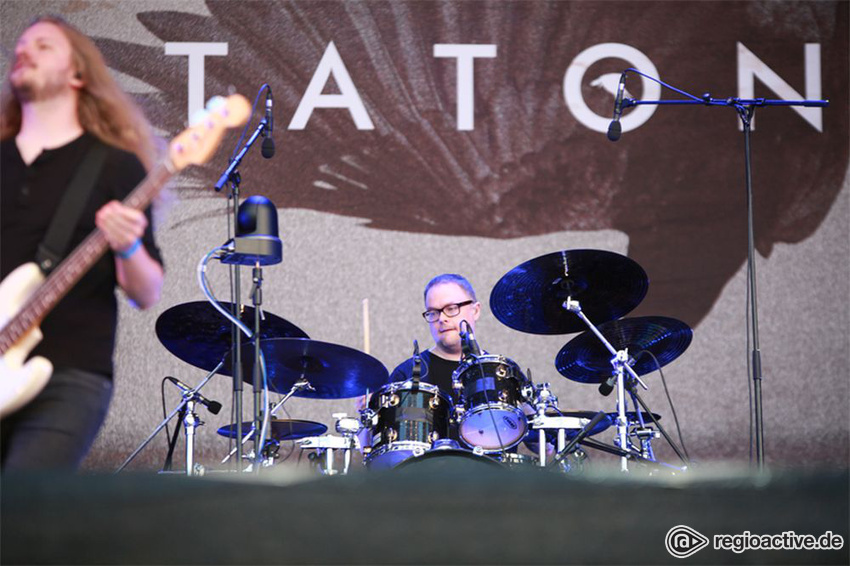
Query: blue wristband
{"points": [[131, 250]]}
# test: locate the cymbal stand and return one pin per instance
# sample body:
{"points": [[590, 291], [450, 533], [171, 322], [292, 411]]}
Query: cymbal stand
{"points": [[639, 401], [188, 403], [299, 385], [620, 364]]}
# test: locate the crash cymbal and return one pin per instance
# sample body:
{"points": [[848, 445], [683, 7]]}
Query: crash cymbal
{"points": [[532, 439], [586, 360], [336, 372], [631, 416], [280, 429], [200, 335], [530, 297]]}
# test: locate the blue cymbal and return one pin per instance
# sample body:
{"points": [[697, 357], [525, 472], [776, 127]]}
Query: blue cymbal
{"points": [[586, 360], [530, 297]]}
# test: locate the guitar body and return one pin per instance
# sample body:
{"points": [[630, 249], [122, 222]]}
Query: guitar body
{"points": [[20, 382]]}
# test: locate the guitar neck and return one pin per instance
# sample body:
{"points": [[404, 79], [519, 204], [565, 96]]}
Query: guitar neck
{"points": [[78, 263]]}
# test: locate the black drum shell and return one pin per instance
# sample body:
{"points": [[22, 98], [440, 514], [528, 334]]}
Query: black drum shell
{"points": [[502, 382], [416, 417]]}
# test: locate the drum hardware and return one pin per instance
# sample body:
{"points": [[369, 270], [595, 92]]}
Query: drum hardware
{"points": [[563, 451], [560, 424], [325, 446], [297, 386], [584, 359], [621, 366], [645, 437], [190, 421]]}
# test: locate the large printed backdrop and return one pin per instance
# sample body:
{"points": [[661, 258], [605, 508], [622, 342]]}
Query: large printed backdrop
{"points": [[373, 213]]}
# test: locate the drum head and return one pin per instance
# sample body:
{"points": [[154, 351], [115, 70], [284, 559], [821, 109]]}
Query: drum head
{"points": [[449, 461]]}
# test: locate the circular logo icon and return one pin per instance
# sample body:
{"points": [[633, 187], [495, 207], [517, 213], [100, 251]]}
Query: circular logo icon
{"points": [[682, 541]]}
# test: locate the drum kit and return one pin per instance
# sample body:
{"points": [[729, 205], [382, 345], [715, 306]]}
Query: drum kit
{"points": [[495, 412]]}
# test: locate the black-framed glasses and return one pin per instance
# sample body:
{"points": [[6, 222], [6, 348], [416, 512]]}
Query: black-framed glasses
{"points": [[453, 309]]}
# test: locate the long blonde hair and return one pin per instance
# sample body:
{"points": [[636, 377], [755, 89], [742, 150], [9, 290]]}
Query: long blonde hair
{"points": [[104, 110]]}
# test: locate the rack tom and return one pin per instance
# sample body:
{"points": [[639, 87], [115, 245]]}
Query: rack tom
{"points": [[491, 390], [405, 422]]}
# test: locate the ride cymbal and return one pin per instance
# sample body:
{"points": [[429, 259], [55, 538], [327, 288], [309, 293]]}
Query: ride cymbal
{"points": [[200, 335], [530, 297], [334, 371]]}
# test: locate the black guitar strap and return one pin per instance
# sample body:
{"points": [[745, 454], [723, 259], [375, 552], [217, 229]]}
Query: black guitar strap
{"points": [[54, 246]]}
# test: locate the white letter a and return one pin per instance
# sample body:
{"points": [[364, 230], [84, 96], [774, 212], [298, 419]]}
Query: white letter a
{"points": [[331, 63]]}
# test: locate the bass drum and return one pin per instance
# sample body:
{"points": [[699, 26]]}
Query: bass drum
{"points": [[450, 460]]}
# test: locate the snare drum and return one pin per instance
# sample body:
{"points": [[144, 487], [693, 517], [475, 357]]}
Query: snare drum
{"points": [[406, 422], [489, 413]]}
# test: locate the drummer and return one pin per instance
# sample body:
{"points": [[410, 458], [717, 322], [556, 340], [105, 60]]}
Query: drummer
{"points": [[449, 299]]}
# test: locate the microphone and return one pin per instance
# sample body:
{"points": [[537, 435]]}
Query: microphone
{"points": [[213, 406], [615, 130], [468, 343], [606, 387], [268, 142], [417, 365]]}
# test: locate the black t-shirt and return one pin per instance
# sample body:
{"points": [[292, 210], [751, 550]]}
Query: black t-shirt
{"points": [[435, 370], [80, 331]]}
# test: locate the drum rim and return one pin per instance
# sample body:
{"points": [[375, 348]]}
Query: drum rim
{"points": [[462, 452], [464, 365], [396, 386]]}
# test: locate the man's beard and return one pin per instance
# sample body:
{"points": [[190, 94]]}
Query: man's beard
{"points": [[27, 90]]}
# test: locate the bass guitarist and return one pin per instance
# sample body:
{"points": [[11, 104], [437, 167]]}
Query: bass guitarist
{"points": [[60, 104]]}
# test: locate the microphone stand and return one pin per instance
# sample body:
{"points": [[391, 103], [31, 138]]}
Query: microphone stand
{"points": [[745, 109], [186, 407], [231, 175]]}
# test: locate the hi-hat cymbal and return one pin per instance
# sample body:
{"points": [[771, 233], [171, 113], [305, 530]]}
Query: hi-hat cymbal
{"points": [[530, 297], [280, 429], [586, 360], [334, 371], [200, 335]]}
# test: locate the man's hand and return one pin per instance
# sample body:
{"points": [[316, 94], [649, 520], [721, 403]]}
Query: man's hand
{"points": [[138, 274], [121, 225]]}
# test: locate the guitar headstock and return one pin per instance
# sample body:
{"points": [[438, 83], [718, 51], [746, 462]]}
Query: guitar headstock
{"points": [[198, 143]]}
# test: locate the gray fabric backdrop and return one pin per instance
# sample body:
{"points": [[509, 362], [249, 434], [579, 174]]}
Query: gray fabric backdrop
{"points": [[373, 214]]}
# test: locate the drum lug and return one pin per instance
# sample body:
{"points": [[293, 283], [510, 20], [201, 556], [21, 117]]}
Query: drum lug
{"points": [[394, 400], [501, 371], [434, 402]]}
